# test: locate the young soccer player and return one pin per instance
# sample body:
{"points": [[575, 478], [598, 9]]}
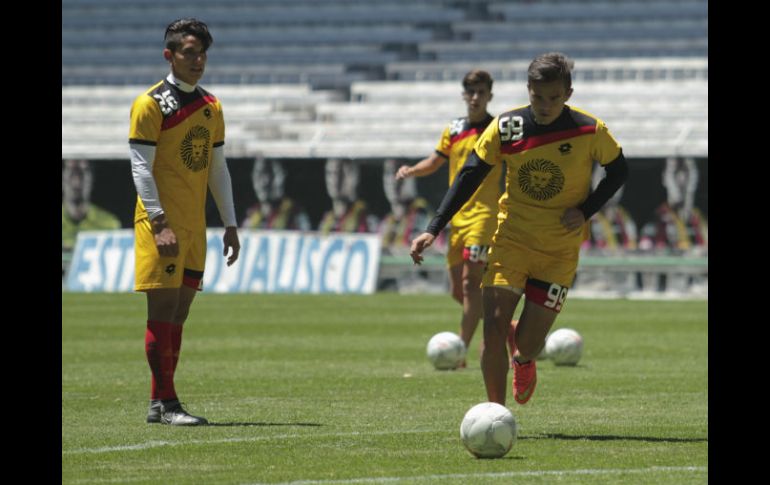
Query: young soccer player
{"points": [[549, 149], [176, 142], [474, 224]]}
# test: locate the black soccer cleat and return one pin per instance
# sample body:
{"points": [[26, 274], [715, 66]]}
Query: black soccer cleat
{"points": [[174, 414], [153, 415]]}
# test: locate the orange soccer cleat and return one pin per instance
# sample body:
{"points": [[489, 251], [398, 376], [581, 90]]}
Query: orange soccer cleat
{"points": [[524, 381]]}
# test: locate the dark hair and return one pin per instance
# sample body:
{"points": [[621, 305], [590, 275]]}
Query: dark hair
{"points": [[477, 76], [181, 28], [553, 66]]}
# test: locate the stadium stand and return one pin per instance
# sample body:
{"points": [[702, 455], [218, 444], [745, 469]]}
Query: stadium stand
{"points": [[343, 40], [586, 70], [373, 79], [95, 119], [602, 9], [394, 118]]}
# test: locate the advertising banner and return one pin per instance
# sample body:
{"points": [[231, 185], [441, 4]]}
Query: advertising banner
{"points": [[269, 262]]}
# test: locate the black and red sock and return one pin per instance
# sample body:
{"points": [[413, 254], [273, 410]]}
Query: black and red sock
{"points": [[159, 349]]}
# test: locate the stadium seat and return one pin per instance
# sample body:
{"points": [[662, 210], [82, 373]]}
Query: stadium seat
{"points": [[365, 78]]}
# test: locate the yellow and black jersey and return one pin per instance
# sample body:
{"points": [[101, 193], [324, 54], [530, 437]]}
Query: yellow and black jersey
{"points": [[184, 128], [456, 143], [548, 169]]}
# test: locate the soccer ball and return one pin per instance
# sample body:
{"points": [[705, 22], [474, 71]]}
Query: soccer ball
{"points": [[488, 430], [564, 346], [445, 350]]}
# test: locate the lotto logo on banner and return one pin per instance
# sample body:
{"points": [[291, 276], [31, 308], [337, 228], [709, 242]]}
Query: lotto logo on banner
{"points": [[269, 262]]}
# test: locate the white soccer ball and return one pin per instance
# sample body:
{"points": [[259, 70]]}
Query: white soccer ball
{"points": [[564, 347], [488, 430], [446, 350]]}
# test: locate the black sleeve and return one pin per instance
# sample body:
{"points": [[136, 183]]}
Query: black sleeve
{"points": [[466, 182], [617, 174]]}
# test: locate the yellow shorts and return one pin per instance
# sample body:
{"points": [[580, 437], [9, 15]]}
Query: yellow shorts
{"points": [[511, 265], [471, 243], [153, 271]]}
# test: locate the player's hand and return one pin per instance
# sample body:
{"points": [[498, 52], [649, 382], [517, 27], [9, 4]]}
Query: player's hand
{"points": [[403, 172], [230, 240], [165, 239], [420, 243], [573, 218]]}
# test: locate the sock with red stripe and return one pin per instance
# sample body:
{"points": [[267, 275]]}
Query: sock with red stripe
{"points": [[158, 347]]}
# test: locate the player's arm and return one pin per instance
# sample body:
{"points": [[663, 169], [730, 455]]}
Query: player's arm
{"points": [[142, 156], [221, 188], [466, 183], [616, 175], [426, 166]]}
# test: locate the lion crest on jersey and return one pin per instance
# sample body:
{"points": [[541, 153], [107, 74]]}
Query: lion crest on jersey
{"points": [[540, 179], [195, 148]]}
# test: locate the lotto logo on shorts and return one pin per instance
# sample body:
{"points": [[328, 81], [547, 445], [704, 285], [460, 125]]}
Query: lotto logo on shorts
{"points": [[475, 253]]}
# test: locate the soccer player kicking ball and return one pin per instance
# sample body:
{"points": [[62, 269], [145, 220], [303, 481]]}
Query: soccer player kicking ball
{"points": [[549, 149], [176, 143]]}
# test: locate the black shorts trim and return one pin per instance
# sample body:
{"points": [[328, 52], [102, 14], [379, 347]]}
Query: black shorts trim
{"points": [[190, 273]]}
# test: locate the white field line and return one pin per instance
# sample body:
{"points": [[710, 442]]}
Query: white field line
{"points": [[108, 480], [475, 476], [157, 444], [365, 480]]}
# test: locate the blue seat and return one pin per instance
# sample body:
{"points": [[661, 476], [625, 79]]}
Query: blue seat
{"points": [[600, 10], [259, 15], [577, 30], [277, 40]]}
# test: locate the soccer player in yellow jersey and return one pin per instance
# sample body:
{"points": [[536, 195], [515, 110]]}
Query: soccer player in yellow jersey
{"points": [[549, 149], [176, 140], [475, 223]]}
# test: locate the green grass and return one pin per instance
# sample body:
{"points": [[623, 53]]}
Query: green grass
{"points": [[337, 389]]}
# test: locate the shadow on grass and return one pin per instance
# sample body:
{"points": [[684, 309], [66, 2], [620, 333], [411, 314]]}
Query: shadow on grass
{"points": [[650, 439], [507, 457], [264, 424]]}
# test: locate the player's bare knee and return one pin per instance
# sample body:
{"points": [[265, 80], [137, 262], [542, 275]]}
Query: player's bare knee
{"points": [[494, 334], [456, 283], [181, 315], [162, 305], [471, 286], [457, 295]]}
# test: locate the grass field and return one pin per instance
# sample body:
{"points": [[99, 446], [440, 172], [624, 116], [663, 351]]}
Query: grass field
{"points": [[337, 390]]}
